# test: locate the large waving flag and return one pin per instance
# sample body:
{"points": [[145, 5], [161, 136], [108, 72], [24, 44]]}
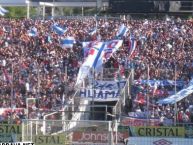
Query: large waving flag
{"points": [[3, 11], [111, 47], [68, 42], [91, 61], [33, 32], [122, 31], [59, 30], [98, 54], [86, 47]]}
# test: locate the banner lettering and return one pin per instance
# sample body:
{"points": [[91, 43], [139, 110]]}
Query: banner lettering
{"points": [[103, 91]]}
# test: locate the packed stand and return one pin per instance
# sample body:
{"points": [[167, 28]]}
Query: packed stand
{"points": [[39, 67]]}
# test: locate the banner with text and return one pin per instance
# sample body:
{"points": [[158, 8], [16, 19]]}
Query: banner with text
{"points": [[13, 133], [160, 82], [98, 137], [131, 121], [103, 91], [156, 131]]}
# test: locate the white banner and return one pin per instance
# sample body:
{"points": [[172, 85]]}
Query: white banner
{"points": [[103, 91], [100, 95], [109, 85], [177, 97], [159, 82]]}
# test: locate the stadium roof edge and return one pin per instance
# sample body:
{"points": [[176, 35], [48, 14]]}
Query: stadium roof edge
{"points": [[55, 4]]}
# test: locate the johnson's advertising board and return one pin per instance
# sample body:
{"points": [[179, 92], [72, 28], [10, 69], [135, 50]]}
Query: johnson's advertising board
{"points": [[98, 137]]}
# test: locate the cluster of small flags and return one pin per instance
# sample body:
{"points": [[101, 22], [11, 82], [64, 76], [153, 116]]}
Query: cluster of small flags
{"points": [[95, 51]]}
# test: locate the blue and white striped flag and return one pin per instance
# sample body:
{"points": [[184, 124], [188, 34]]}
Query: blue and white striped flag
{"points": [[33, 32], [133, 44], [122, 31], [3, 11], [92, 61], [86, 47], [59, 30], [68, 42], [98, 53], [93, 31]]}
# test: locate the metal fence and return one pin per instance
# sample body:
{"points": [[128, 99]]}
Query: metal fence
{"points": [[118, 109], [90, 132], [69, 132]]}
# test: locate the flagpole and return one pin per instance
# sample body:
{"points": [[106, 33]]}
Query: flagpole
{"points": [[175, 105], [147, 93], [93, 79], [28, 9], [38, 89], [12, 91]]}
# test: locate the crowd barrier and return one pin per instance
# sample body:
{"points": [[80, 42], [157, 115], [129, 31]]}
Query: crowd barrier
{"points": [[94, 132]]}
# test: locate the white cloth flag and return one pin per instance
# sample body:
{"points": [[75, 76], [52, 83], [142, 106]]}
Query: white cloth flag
{"points": [[3, 11], [86, 47], [122, 31], [99, 53], [68, 42], [177, 97], [91, 61], [110, 48]]}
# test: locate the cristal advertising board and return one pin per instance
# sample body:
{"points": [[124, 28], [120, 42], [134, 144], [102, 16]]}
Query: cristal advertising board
{"points": [[157, 131], [12, 132]]}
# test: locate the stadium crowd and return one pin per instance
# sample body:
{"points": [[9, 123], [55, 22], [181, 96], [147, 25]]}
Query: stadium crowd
{"points": [[39, 67]]}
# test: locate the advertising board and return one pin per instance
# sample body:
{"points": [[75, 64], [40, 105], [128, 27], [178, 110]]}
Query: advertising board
{"points": [[98, 137], [13, 133], [159, 141], [157, 131], [131, 121]]}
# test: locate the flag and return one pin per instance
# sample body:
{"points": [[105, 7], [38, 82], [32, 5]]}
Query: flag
{"points": [[68, 42], [155, 88], [33, 32], [86, 47], [49, 39], [59, 30], [110, 48], [93, 31], [7, 76], [98, 54], [91, 61], [122, 31], [133, 44], [3, 11]]}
